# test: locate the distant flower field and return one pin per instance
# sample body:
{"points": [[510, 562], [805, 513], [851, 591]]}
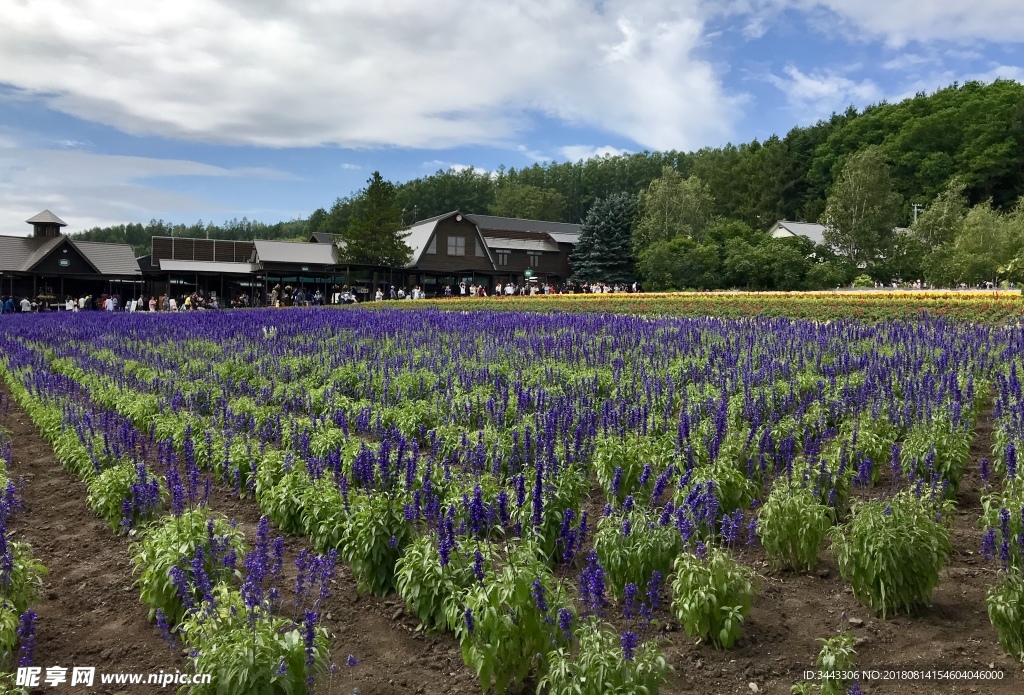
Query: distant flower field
{"points": [[978, 306]]}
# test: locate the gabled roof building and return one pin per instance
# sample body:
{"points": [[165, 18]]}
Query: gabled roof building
{"points": [[812, 230], [50, 265]]}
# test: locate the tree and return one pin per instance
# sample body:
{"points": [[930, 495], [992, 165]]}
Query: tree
{"points": [[528, 203], [317, 222], [941, 220], [862, 208], [374, 237], [680, 263], [603, 251], [672, 207]]}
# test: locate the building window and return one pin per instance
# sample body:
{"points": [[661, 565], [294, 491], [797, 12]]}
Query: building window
{"points": [[432, 246], [480, 248], [534, 258], [502, 256], [456, 246]]}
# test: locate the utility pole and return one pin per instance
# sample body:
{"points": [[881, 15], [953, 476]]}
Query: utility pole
{"points": [[917, 207]]}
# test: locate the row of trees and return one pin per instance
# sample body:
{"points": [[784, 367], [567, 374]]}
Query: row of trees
{"points": [[671, 238]]}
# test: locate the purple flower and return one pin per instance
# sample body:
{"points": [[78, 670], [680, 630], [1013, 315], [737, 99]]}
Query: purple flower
{"points": [[565, 623], [470, 625], [26, 637], [351, 661], [629, 605], [629, 641], [538, 595], [616, 481], [478, 566], [592, 585], [988, 544], [165, 629], [309, 634], [654, 589]]}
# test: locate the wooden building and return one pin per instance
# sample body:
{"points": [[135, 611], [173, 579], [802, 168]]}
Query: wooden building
{"points": [[482, 249], [48, 266]]}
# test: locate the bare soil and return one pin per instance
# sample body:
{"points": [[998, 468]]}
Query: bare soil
{"points": [[90, 613]]}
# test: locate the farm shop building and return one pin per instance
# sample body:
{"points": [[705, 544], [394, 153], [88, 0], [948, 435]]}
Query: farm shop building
{"points": [[482, 249], [446, 250], [48, 266]]}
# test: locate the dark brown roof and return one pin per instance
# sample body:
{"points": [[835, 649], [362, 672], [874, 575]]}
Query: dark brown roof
{"points": [[109, 259], [488, 223], [21, 254], [46, 217], [17, 251]]}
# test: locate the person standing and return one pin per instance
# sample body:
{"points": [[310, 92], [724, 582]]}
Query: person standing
{"points": [[26, 305]]}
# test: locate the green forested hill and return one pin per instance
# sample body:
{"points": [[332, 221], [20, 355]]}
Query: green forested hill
{"points": [[974, 131]]}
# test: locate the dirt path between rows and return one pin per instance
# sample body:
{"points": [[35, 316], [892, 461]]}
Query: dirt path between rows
{"points": [[89, 610]]}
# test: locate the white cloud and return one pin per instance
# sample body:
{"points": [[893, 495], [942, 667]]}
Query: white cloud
{"points": [[818, 94], [87, 189], [575, 153], [440, 165], [356, 73], [350, 167]]}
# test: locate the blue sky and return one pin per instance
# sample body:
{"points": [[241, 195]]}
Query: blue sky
{"points": [[215, 109]]}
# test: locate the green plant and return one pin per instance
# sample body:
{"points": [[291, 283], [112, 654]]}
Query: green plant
{"points": [[374, 538], [563, 492], [863, 280], [126, 495], [283, 502], [713, 595], [938, 448], [632, 545], [595, 665], [251, 651], [1005, 603], [171, 543], [891, 551], [1004, 529], [836, 662], [792, 524], [425, 585], [503, 632], [323, 514], [18, 590], [619, 463]]}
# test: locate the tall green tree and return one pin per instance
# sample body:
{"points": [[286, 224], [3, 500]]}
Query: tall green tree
{"points": [[528, 202], [374, 236], [603, 252], [862, 208], [672, 207], [943, 218]]}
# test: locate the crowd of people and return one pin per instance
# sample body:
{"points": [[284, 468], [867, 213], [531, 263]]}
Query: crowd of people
{"points": [[289, 296]]}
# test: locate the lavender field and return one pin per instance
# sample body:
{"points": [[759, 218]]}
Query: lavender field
{"points": [[579, 503]]}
